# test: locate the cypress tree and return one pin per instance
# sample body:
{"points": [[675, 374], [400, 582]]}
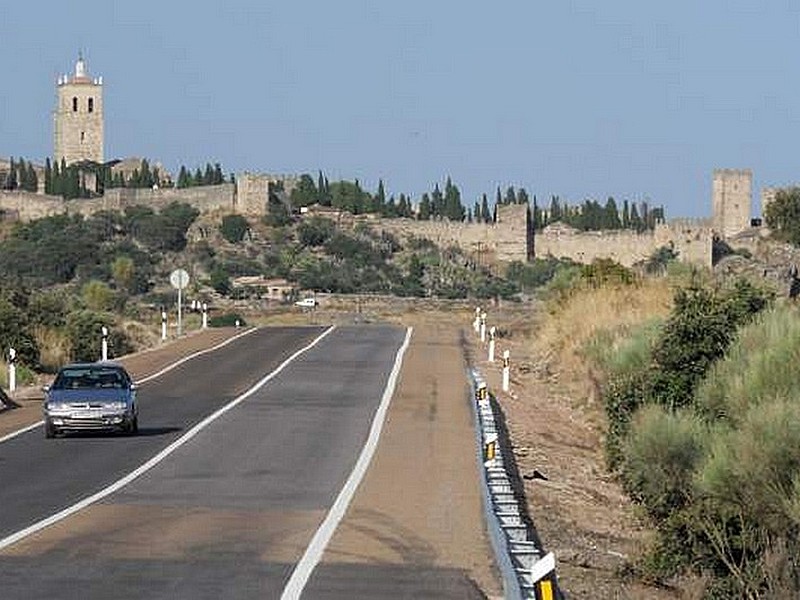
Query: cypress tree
{"points": [[48, 176], [522, 196], [485, 214], [425, 208], [511, 196], [437, 202], [380, 197], [183, 178], [33, 179]]}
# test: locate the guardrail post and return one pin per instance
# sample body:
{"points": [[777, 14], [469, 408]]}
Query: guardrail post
{"points": [[483, 327], [205, 315], [104, 353], [492, 332], [543, 577], [163, 325], [506, 370], [12, 369]]}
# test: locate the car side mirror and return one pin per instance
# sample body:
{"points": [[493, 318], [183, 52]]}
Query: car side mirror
{"points": [[46, 388], [134, 387]]}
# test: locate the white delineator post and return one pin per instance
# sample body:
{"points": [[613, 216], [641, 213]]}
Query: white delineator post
{"points": [[492, 332], [506, 370], [483, 327], [104, 353], [163, 325], [12, 369], [476, 324], [205, 315]]}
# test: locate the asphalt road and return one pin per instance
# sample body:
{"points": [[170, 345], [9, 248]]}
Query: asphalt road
{"points": [[228, 514]]}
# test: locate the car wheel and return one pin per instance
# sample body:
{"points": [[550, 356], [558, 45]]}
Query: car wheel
{"points": [[135, 426], [49, 430]]}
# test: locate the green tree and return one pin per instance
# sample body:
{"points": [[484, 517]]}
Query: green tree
{"points": [[234, 228], [783, 215], [511, 196], [304, 193], [486, 215], [437, 202], [97, 295], [123, 271], [425, 208], [380, 197]]}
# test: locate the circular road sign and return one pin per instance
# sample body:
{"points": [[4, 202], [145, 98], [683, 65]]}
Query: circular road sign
{"points": [[179, 279]]}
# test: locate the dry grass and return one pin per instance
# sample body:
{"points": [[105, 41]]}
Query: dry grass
{"points": [[570, 326]]}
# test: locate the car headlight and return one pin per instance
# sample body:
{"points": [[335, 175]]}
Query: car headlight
{"points": [[54, 405], [118, 405]]}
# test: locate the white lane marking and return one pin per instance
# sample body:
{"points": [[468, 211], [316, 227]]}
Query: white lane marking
{"points": [[313, 554], [178, 363], [120, 483], [166, 369], [20, 431]]}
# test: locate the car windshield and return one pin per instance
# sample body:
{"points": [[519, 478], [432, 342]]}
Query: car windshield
{"points": [[89, 377]]}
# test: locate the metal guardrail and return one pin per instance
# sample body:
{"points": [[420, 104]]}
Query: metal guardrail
{"points": [[527, 572]]}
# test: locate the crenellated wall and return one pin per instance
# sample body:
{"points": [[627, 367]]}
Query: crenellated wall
{"points": [[506, 240]]}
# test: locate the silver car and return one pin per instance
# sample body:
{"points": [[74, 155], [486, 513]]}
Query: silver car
{"points": [[91, 397]]}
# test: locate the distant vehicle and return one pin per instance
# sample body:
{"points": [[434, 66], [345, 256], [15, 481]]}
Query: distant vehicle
{"points": [[307, 302], [91, 397]]}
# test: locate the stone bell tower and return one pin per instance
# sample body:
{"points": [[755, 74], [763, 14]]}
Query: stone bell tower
{"points": [[79, 117]]}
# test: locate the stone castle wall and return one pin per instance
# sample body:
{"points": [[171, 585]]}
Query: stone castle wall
{"points": [[27, 206], [509, 239], [206, 198], [690, 238], [506, 240]]}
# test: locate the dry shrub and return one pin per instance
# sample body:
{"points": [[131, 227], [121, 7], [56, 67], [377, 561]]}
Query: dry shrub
{"points": [[582, 315], [140, 335], [54, 347]]}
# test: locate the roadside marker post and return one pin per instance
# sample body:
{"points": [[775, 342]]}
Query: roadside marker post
{"points": [[490, 450], [104, 349], [482, 393], [12, 369], [476, 324], [163, 325], [205, 315], [506, 370], [483, 327], [492, 332], [543, 576]]}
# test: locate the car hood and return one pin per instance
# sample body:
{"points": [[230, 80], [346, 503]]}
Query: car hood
{"points": [[89, 395]]}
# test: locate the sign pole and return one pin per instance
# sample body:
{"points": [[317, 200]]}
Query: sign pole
{"points": [[180, 321]]}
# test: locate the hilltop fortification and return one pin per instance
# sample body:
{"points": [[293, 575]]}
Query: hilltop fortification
{"points": [[79, 137]]}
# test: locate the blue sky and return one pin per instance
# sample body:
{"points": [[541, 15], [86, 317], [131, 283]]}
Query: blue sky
{"points": [[578, 98]]}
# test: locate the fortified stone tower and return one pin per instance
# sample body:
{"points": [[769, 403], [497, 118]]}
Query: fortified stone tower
{"points": [[79, 117], [731, 197]]}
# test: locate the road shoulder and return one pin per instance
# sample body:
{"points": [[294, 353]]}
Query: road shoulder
{"points": [[420, 502]]}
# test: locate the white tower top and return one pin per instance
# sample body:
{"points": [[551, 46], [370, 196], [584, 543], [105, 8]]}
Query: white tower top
{"points": [[80, 68]]}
